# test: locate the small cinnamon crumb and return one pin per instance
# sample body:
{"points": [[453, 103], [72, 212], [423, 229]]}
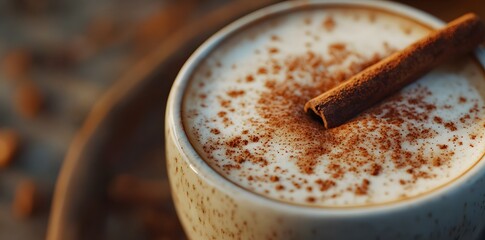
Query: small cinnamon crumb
{"points": [[234, 142], [215, 131], [235, 93], [337, 46], [329, 23], [273, 50], [375, 169], [274, 178], [254, 138], [363, 188], [325, 184], [262, 70], [451, 126], [437, 162], [310, 199], [438, 120], [25, 199], [442, 146], [221, 114], [9, 143], [270, 84], [225, 103]]}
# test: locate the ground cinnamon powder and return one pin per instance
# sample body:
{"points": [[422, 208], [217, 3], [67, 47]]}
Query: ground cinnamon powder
{"points": [[361, 147]]}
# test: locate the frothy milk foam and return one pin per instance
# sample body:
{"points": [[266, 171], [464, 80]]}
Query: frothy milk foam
{"points": [[243, 112]]}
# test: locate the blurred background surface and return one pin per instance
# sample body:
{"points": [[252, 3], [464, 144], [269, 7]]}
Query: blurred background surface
{"points": [[57, 58]]}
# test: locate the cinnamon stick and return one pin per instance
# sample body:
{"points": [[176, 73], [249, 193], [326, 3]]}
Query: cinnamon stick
{"points": [[389, 75]]}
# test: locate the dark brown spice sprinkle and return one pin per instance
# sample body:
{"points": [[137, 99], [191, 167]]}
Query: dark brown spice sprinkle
{"points": [[363, 188], [274, 178], [329, 23], [325, 184], [262, 70], [442, 146], [310, 199], [235, 93], [215, 131], [273, 50], [376, 169]]}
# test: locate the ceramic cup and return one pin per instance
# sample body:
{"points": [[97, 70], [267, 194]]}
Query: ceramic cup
{"points": [[211, 207]]}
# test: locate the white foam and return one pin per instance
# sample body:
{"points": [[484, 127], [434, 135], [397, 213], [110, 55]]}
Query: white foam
{"points": [[271, 164]]}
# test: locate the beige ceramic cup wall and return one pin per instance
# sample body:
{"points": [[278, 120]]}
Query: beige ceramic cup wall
{"points": [[211, 207]]}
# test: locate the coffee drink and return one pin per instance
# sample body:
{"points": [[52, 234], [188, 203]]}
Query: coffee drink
{"points": [[246, 162], [243, 112]]}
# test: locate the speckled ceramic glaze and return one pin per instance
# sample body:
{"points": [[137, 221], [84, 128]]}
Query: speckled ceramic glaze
{"points": [[211, 207]]}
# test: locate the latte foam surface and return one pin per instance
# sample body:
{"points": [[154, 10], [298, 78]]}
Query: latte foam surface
{"points": [[243, 112]]}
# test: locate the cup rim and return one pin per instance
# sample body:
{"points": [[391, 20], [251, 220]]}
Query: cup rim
{"points": [[174, 123]]}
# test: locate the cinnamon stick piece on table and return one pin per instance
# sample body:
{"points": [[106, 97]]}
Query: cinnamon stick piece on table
{"points": [[386, 77]]}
